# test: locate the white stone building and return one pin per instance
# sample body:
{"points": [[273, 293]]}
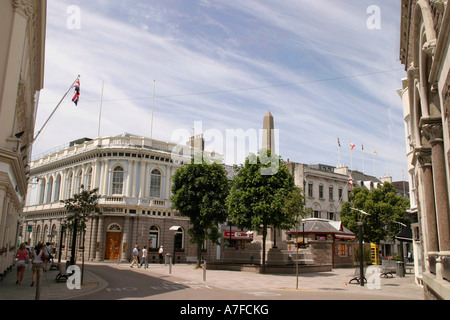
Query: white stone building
{"points": [[425, 94], [22, 47], [134, 178]]}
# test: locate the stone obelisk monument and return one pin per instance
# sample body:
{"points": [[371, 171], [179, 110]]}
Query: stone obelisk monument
{"points": [[268, 137]]}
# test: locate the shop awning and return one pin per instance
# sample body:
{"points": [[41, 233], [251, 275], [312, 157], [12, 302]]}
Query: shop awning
{"points": [[344, 236]]}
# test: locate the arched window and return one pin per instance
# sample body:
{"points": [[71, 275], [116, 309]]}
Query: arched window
{"points": [[117, 183], [114, 227], [42, 191], [45, 234], [79, 180], [38, 235], [53, 233], [57, 188], [69, 185], [89, 179], [179, 239], [153, 237], [155, 184], [49, 190]]}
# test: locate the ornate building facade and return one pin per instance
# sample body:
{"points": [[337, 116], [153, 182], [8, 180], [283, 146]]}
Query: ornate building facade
{"points": [[424, 50], [22, 38], [134, 178]]}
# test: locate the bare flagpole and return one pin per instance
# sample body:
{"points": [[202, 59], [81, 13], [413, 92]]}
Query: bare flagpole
{"points": [[100, 114], [153, 109], [39, 132]]}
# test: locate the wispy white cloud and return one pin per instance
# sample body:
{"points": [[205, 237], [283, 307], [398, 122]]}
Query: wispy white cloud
{"points": [[230, 48]]}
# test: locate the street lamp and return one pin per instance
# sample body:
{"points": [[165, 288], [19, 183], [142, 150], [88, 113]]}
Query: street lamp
{"points": [[402, 253], [361, 255]]}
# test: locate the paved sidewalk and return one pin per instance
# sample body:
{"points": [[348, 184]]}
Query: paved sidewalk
{"points": [[50, 288], [259, 285], [336, 281]]}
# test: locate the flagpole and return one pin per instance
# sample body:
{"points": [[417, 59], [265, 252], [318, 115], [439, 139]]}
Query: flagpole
{"points": [[51, 115], [153, 109], [339, 152], [374, 171], [339, 157], [362, 148], [100, 114], [351, 159]]}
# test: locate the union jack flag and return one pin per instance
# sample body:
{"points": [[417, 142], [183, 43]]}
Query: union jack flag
{"points": [[76, 96]]}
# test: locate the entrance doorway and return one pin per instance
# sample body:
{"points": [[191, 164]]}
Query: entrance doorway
{"points": [[112, 247], [113, 241]]}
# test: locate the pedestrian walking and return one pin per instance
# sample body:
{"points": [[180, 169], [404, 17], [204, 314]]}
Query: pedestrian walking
{"points": [[161, 254], [48, 252], [23, 258], [135, 255], [37, 259], [144, 257]]}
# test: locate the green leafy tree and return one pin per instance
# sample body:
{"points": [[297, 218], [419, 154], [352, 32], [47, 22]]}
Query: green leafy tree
{"points": [[385, 208], [200, 190], [258, 195], [80, 208], [294, 208]]}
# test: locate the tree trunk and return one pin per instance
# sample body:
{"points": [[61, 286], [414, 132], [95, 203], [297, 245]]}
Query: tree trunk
{"points": [[199, 254], [264, 249]]}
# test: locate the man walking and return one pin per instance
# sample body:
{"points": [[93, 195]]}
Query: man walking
{"points": [[161, 252], [144, 257], [135, 255]]}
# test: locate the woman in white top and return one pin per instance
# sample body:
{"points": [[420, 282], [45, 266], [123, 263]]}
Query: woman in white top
{"points": [[38, 260]]}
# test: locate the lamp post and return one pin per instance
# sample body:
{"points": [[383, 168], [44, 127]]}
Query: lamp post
{"points": [[230, 224], [402, 253], [361, 254], [74, 241]]}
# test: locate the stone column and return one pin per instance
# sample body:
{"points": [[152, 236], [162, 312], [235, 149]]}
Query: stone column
{"points": [[129, 178], [142, 179], [100, 255], [424, 158], [125, 240], [433, 132], [134, 181], [94, 233]]}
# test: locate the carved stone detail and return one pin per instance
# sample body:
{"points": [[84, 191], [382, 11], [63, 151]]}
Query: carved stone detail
{"points": [[433, 132], [24, 7], [424, 157], [429, 47]]}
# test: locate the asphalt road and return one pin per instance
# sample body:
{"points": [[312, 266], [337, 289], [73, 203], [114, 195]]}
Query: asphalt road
{"points": [[140, 284]]}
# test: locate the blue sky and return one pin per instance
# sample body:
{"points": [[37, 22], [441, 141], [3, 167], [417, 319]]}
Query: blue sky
{"points": [[315, 65]]}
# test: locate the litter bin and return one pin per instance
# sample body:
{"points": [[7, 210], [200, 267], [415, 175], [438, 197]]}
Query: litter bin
{"points": [[400, 269], [167, 260]]}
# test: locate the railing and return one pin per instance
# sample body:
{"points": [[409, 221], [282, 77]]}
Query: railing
{"points": [[66, 150], [439, 264]]}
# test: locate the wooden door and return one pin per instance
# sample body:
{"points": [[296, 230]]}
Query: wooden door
{"points": [[112, 247]]}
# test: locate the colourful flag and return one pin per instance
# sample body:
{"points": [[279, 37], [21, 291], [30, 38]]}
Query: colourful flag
{"points": [[339, 142], [374, 151], [352, 145], [76, 96]]}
